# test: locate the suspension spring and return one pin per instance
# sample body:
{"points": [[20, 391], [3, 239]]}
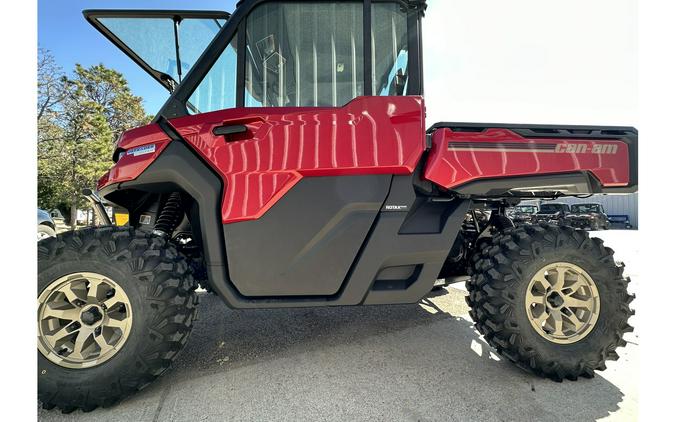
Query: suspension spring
{"points": [[170, 216]]}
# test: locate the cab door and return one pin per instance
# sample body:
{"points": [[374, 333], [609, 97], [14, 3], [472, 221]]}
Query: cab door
{"points": [[306, 157]]}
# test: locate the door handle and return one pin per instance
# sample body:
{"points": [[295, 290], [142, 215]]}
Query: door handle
{"points": [[225, 130]]}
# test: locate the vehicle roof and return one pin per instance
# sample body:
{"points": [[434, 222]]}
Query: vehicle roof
{"points": [[421, 3]]}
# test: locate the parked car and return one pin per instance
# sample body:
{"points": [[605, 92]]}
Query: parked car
{"points": [[588, 217], [552, 213], [45, 225], [622, 221], [59, 220], [522, 214]]}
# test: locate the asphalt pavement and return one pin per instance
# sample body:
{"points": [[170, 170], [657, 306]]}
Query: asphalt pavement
{"points": [[421, 362]]}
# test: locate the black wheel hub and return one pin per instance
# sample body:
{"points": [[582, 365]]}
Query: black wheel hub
{"points": [[555, 300], [91, 316]]}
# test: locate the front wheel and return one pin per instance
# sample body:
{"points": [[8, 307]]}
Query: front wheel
{"points": [[550, 299], [115, 306]]}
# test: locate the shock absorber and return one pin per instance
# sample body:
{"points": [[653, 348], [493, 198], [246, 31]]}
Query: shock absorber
{"points": [[170, 216]]}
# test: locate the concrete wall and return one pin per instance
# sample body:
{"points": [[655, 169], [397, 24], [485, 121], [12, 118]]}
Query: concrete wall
{"points": [[613, 204]]}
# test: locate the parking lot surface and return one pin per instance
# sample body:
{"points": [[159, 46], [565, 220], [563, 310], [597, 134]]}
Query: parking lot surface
{"points": [[421, 362]]}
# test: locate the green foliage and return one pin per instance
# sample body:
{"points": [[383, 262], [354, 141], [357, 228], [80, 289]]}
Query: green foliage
{"points": [[79, 119], [108, 88]]}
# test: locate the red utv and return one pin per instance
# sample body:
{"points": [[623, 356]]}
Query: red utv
{"points": [[292, 167]]}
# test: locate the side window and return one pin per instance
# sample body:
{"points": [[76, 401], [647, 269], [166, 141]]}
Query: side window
{"points": [[218, 89], [304, 54], [390, 49]]}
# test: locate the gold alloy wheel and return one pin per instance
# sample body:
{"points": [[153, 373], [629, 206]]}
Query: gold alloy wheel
{"points": [[84, 319], [562, 303]]}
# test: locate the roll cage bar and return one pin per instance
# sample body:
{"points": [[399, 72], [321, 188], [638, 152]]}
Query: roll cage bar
{"points": [[177, 104]]}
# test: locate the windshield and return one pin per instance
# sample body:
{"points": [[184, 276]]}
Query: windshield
{"points": [[526, 209], [166, 44], [585, 208], [153, 40], [551, 208]]}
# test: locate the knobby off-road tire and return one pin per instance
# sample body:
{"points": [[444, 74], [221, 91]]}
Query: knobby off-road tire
{"points": [[156, 283], [502, 273]]}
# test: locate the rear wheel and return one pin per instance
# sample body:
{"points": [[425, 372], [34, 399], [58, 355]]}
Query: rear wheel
{"points": [[550, 299], [115, 306]]}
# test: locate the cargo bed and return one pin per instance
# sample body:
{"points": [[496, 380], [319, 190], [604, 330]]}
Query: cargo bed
{"points": [[490, 160]]}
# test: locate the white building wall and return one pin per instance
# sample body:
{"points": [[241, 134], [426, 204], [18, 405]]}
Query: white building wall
{"points": [[613, 204]]}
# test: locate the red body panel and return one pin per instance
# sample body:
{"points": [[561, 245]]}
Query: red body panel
{"points": [[131, 165], [460, 157], [370, 135]]}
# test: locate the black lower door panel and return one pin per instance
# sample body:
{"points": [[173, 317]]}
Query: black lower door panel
{"points": [[305, 244]]}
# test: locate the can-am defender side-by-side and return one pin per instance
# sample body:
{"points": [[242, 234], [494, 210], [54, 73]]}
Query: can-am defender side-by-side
{"points": [[554, 213], [522, 214], [589, 217], [291, 167]]}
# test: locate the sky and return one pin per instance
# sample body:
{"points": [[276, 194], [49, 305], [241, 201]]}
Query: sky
{"points": [[524, 61], [532, 61]]}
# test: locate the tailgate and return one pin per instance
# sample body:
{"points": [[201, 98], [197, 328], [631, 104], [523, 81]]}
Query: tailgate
{"points": [[532, 160]]}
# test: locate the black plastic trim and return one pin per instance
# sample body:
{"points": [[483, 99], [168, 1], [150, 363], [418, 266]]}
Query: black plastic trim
{"points": [[241, 64], [578, 183], [367, 47], [305, 244], [544, 131], [229, 130]]}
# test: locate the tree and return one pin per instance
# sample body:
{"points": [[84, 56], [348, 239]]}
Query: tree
{"points": [[52, 85], [76, 134], [109, 89]]}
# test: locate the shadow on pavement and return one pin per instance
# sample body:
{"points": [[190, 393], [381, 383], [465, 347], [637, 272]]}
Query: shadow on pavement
{"points": [[403, 362]]}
